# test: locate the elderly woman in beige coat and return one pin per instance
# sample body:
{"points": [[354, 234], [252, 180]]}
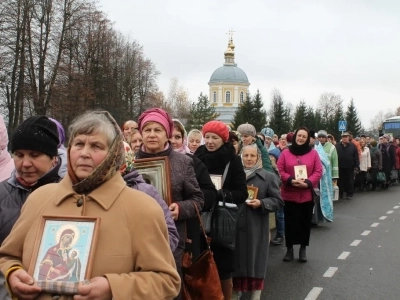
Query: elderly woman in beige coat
{"points": [[132, 258]]}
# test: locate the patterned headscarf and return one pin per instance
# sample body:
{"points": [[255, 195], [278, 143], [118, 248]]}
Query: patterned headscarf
{"points": [[257, 165], [107, 168]]}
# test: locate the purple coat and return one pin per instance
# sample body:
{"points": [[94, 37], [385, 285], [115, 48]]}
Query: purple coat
{"points": [[286, 164], [135, 180]]}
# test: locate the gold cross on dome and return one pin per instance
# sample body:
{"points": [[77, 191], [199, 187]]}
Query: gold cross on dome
{"points": [[230, 33]]}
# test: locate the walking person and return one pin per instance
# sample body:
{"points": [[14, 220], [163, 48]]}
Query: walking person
{"points": [[253, 222], [365, 164], [348, 163], [388, 159], [218, 154], [376, 163], [298, 193]]}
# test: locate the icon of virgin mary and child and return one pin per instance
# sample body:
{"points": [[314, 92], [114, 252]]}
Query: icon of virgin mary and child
{"points": [[61, 262]]}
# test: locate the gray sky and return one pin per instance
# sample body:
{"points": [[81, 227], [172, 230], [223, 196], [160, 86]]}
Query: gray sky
{"points": [[303, 48]]}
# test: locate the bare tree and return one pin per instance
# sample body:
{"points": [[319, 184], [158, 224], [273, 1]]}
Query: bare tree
{"points": [[178, 100], [376, 122]]}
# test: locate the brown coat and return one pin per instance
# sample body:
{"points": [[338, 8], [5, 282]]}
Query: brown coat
{"points": [[132, 248]]}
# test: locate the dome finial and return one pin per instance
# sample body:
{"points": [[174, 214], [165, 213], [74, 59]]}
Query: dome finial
{"points": [[230, 51]]}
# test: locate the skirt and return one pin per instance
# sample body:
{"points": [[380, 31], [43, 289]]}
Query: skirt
{"points": [[298, 223]]}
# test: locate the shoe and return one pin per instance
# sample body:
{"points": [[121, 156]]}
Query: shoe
{"points": [[302, 254], [289, 255], [278, 240], [349, 198], [340, 196]]}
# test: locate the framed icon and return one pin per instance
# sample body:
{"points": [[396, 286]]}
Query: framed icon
{"points": [[156, 171], [63, 252], [252, 192]]}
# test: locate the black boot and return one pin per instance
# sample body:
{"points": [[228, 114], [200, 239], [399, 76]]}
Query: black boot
{"points": [[289, 254], [302, 254]]}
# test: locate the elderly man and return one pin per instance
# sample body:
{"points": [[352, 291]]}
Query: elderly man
{"points": [[331, 152], [348, 162]]}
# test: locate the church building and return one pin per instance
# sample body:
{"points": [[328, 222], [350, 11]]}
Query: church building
{"points": [[229, 86]]}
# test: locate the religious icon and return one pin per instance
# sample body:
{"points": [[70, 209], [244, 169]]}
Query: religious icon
{"points": [[252, 192], [300, 172], [63, 250]]}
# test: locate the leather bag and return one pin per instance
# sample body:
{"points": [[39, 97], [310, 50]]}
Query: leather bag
{"points": [[200, 278]]}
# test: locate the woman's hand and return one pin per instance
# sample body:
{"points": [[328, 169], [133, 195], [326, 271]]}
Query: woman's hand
{"points": [[174, 208], [255, 203], [300, 183], [21, 285], [97, 289]]}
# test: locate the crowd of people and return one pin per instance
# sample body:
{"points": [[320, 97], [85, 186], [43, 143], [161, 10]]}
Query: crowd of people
{"points": [[142, 237]]}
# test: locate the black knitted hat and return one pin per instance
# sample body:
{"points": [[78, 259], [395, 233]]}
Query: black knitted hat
{"points": [[36, 133]]}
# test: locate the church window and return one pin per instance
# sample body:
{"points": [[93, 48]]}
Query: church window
{"points": [[241, 97], [228, 97], [215, 97]]}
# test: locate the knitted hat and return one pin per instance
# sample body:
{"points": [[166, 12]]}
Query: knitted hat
{"points": [[289, 137], [37, 133], [247, 129], [268, 132], [322, 133], [218, 128], [61, 132], [159, 116]]}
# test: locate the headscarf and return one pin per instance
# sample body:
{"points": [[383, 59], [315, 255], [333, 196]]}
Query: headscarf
{"points": [[296, 149], [183, 147], [61, 133], [159, 116], [106, 169], [6, 162], [257, 165], [127, 166]]}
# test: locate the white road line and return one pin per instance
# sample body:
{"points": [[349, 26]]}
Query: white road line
{"points": [[383, 218], [314, 293], [330, 272], [375, 225], [355, 243], [366, 232], [390, 212], [396, 207], [344, 255]]}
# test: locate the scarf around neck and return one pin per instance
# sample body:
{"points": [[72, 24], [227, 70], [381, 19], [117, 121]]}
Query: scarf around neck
{"points": [[296, 149], [106, 169], [257, 165]]}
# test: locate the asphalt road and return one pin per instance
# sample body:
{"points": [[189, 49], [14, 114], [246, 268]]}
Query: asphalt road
{"points": [[355, 257]]}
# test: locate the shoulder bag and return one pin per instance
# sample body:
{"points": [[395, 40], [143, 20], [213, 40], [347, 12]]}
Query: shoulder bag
{"points": [[200, 278]]}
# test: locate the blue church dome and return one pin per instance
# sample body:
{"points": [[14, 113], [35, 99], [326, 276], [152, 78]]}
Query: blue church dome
{"points": [[229, 74]]}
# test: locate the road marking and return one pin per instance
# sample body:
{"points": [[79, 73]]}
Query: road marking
{"points": [[375, 225], [344, 255], [382, 218], [396, 207], [390, 212], [366, 232], [330, 272], [314, 293], [355, 243]]}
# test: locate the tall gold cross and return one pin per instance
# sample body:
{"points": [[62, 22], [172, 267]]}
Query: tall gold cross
{"points": [[230, 33]]}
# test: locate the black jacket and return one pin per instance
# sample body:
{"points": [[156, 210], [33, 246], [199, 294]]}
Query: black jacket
{"points": [[347, 156], [13, 196]]}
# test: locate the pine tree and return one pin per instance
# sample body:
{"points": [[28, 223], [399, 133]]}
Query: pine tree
{"points": [[278, 115], [259, 116], [244, 113], [299, 115], [309, 119], [201, 112], [353, 122]]}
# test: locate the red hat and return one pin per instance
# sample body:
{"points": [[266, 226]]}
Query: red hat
{"points": [[289, 137], [218, 128]]}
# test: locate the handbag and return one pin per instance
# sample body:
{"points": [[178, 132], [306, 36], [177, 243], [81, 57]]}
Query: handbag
{"points": [[381, 177], [200, 278], [394, 175], [207, 216], [316, 195]]}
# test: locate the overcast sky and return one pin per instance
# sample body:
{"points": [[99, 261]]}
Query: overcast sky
{"points": [[303, 48]]}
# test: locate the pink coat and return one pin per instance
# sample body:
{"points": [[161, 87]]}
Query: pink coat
{"points": [[286, 163], [6, 162]]}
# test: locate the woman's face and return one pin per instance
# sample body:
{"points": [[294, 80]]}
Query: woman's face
{"points": [[176, 139], [154, 137], [128, 127], [194, 142], [362, 143], [87, 152], [247, 139], [236, 146], [212, 141], [136, 141], [249, 157], [31, 165], [301, 137]]}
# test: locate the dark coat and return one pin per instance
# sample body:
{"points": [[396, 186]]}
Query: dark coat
{"points": [[252, 237], [234, 188], [376, 158], [185, 192], [347, 156]]}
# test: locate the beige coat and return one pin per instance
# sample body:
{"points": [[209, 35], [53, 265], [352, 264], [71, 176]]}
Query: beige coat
{"points": [[132, 248]]}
